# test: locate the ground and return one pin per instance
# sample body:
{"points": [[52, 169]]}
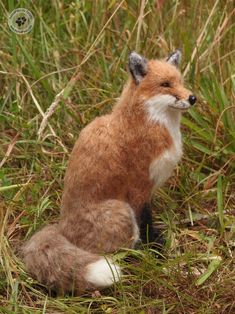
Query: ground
{"points": [[78, 50]]}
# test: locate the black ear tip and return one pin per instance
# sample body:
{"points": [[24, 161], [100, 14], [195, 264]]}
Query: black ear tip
{"points": [[175, 57], [131, 54], [137, 66], [134, 55], [176, 52]]}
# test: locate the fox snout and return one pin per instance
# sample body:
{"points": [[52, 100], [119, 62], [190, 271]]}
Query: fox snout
{"points": [[184, 97], [184, 103], [183, 94]]}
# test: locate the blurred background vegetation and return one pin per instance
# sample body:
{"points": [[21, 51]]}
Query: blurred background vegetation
{"points": [[74, 62]]}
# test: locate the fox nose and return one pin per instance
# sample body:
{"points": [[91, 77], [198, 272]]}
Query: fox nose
{"points": [[192, 99]]}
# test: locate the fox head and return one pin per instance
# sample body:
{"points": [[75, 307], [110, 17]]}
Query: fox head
{"points": [[157, 85]]}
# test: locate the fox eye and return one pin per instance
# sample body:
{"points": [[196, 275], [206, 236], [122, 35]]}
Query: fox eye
{"points": [[166, 84]]}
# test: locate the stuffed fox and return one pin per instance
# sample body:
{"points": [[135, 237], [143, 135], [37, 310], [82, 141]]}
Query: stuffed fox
{"points": [[116, 161]]}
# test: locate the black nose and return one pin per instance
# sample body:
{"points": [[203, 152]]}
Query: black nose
{"points": [[192, 99]]}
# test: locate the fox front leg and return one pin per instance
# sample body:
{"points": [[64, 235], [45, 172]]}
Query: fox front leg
{"points": [[148, 233]]}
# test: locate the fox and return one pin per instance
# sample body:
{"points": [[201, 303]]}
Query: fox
{"points": [[116, 162]]}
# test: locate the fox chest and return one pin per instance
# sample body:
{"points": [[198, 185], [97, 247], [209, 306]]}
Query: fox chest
{"points": [[162, 166]]}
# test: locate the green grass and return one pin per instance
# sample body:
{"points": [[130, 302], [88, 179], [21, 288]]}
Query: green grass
{"points": [[82, 47]]}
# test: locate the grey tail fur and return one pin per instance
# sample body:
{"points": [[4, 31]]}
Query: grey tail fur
{"points": [[61, 266]]}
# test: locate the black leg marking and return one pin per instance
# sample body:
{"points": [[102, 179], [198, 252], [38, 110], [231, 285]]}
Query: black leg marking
{"points": [[148, 233], [146, 224]]}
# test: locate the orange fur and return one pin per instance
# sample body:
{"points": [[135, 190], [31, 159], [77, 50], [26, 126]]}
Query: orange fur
{"points": [[106, 184]]}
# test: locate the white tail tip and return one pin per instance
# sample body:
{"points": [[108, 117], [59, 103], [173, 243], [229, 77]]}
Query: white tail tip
{"points": [[103, 273]]}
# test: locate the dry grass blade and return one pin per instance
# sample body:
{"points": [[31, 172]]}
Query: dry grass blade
{"points": [[42, 112], [9, 150], [49, 113], [201, 37], [140, 22]]}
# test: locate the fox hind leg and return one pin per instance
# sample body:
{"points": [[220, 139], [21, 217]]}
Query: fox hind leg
{"points": [[116, 226], [103, 227]]}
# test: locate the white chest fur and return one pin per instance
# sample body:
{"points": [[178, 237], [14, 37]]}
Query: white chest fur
{"points": [[162, 166]]}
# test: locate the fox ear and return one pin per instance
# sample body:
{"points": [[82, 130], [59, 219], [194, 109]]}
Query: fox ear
{"points": [[175, 58], [138, 66]]}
